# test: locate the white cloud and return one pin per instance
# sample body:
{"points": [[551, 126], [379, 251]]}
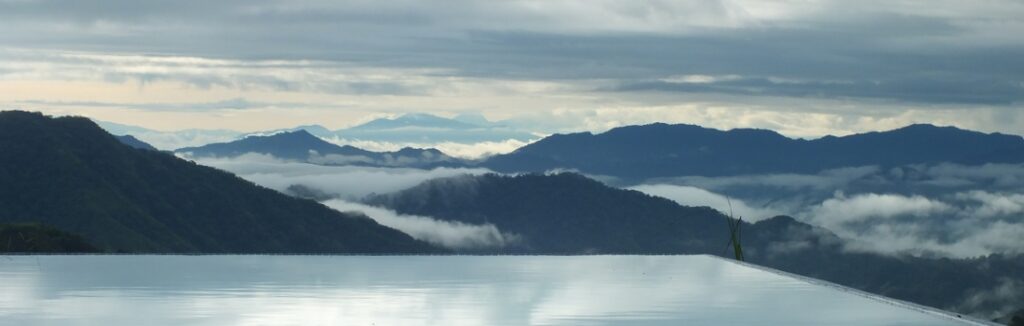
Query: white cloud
{"points": [[470, 151], [337, 159], [993, 204], [692, 196], [966, 224], [945, 209], [354, 183], [914, 239], [172, 140], [346, 182], [826, 180], [448, 234], [1005, 297], [861, 207]]}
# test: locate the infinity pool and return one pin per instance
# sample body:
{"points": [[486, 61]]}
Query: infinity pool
{"points": [[428, 290]]}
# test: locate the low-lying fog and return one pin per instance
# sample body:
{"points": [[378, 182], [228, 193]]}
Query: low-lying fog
{"points": [[945, 210]]}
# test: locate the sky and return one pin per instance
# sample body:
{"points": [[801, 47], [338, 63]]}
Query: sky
{"points": [[805, 68]]}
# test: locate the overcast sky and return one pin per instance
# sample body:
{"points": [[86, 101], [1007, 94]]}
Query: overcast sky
{"points": [[804, 68]]}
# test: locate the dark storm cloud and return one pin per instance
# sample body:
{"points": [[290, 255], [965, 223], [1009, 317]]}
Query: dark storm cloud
{"points": [[837, 51]]}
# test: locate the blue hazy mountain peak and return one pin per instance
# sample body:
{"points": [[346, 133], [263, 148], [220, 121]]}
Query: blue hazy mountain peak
{"points": [[416, 120], [474, 118]]}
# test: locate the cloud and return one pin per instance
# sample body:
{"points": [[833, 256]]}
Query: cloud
{"points": [[171, 140], [978, 90], [344, 182], [960, 225], [895, 62], [454, 235], [945, 210], [692, 196], [842, 209], [347, 184], [993, 204], [337, 159], [918, 240], [828, 179], [472, 151], [1005, 297]]}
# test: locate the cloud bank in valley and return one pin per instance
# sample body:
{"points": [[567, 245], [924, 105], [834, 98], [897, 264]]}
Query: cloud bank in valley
{"points": [[345, 182], [472, 151], [693, 196], [344, 185], [944, 209], [454, 235]]}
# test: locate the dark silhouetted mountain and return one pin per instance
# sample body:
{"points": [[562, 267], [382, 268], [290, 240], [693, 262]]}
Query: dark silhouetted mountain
{"points": [[70, 174], [34, 238], [302, 146], [565, 213], [662, 150], [135, 142], [414, 120], [315, 130], [570, 214], [419, 128], [292, 145]]}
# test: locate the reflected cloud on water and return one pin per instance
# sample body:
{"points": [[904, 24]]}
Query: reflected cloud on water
{"points": [[423, 290]]}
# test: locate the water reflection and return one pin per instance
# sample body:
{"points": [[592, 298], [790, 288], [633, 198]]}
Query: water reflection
{"points": [[422, 290]]}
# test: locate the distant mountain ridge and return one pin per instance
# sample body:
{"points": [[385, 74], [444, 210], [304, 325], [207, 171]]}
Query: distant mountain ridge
{"points": [[69, 174], [423, 128], [414, 120], [302, 146], [663, 150], [169, 140], [412, 129], [135, 142]]}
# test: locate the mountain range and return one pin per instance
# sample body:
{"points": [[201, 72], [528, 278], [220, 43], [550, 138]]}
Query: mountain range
{"points": [[414, 128], [419, 128], [663, 150], [302, 146], [69, 174], [68, 181], [651, 151]]}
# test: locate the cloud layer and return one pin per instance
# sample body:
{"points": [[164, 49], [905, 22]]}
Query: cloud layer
{"points": [[945, 209], [693, 196], [344, 182], [340, 187], [452, 235], [803, 68]]}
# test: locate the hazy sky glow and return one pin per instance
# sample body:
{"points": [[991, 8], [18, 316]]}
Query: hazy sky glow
{"points": [[804, 68]]}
